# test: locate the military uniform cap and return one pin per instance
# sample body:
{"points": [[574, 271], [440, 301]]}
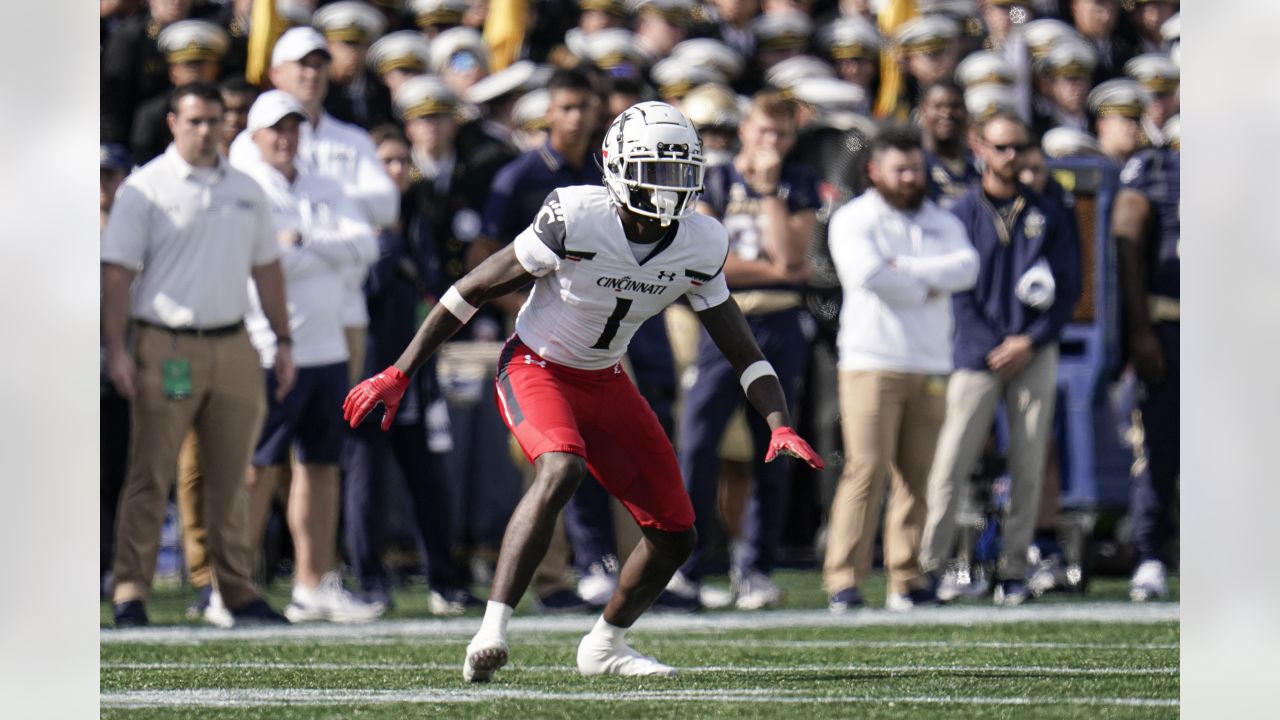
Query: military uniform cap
{"points": [[926, 34], [1062, 142], [709, 52], [611, 49], [796, 70], [456, 40], [1069, 58], [678, 12], [984, 67], [114, 156], [613, 7], [429, 13], [1006, 3], [424, 95], [193, 41], [850, 37], [986, 100], [1171, 30], [712, 106], [530, 111], [1173, 132], [782, 30], [515, 77], [350, 21], [402, 50], [1045, 34], [675, 77], [831, 95], [1121, 96], [295, 13], [955, 9], [1155, 71]]}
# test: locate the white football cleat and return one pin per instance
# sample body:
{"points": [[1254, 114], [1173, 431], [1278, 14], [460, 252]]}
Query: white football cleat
{"points": [[484, 657], [598, 655], [756, 591], [1148, 582], [330, 601]]}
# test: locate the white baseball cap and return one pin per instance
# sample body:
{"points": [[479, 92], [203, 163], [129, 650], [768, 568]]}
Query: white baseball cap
{"points": [[271, 107], [297, 43]]}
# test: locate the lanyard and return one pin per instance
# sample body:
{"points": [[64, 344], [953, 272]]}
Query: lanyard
{"points": [[1005, 226]]}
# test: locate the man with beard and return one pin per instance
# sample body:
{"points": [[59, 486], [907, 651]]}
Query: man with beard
{"points": [[945, 121], [1006, 348], [899, 257]]}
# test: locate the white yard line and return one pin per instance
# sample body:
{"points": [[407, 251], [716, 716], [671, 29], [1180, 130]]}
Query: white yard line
{"points": [[1094, 613], [744, 669], [357, 696]]}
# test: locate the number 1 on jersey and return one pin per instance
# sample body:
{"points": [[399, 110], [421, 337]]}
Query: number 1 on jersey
{"points": [[611, 325]]}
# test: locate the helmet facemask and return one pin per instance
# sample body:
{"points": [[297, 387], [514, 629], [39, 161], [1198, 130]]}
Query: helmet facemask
{"points": [[653, 162]]}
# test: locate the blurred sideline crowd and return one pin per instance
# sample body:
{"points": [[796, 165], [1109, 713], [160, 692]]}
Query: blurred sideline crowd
{"points": [[903, 252]]}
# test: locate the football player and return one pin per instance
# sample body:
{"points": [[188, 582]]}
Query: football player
{"points": [[602, 260]]}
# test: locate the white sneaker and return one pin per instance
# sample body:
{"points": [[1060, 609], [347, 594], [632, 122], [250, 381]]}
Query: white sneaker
{"points": [[715, 597], [962, 583], [599, 655], [755, 591], [330, 601], [897, 602], [217, 613], [1148, 582], [597, 586], [484, 657]]}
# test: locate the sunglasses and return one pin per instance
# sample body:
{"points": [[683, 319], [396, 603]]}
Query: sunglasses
{"points": [[1018, 148]]}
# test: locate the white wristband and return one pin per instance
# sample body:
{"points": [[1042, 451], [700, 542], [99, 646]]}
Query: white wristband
{"points": [[755, 371], [458, 305]]}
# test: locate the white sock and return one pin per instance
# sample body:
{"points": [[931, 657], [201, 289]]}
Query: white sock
{"points": [[604, 629], [496, 615]]}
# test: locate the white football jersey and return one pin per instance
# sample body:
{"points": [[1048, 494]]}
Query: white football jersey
{"points": [[592, 294]]}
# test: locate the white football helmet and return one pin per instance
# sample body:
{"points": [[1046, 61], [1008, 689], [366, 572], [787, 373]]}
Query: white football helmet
{"points": [[653, 162]]}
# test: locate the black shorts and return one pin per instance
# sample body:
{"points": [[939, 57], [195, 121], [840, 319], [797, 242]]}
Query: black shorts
{"points": [[309, 418]]}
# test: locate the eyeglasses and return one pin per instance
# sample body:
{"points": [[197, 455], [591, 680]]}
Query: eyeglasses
{"points": [[1017, 148]]}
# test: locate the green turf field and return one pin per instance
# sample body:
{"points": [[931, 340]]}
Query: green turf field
{"points": [[1095, 656]]}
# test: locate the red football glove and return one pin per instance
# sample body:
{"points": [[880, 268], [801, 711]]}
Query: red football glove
{"points": [[785, 441], [387, 387]]}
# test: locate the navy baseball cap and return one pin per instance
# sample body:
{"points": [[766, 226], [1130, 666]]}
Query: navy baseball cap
{"points": [[114, 156]]}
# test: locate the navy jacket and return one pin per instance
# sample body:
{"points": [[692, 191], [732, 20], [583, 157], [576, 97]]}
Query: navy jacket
{"points": [[989, 312]]}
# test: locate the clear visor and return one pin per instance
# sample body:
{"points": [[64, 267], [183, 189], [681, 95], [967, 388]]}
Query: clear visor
{"points": [[674, 174]]}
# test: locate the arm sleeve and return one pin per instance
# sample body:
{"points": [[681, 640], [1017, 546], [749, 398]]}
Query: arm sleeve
{"points": [[1063, 255], [541, 246], [955, 269], [350, 242], [716, 290], [124, 242], [859, 263]]}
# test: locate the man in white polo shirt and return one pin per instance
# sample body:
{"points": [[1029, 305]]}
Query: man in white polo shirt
{"points": [[323, 235], [333, 149], [192, 231], [899, 257]]}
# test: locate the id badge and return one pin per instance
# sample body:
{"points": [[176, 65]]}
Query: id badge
{"points": [[177, 379]]}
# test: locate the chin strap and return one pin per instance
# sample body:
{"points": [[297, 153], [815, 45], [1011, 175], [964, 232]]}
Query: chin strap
{"points": [[664, 201]]}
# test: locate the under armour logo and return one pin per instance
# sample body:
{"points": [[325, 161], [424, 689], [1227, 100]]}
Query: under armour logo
{"points": [[528, 360], [666, 276]]}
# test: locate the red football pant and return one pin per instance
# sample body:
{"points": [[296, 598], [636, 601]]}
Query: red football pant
{"points": [[599, 416]]}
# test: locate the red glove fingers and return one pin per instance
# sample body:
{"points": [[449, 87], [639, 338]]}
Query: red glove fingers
{"points": [[785, 441], [387, 387]]}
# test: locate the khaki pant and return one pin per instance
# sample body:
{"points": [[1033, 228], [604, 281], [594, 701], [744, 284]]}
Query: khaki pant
{"points": [[890, 422], [191, 512], [226, 410], [971, 407]]}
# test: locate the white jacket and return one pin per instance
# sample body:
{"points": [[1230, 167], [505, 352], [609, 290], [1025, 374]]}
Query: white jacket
{"points": [[898, 271]]}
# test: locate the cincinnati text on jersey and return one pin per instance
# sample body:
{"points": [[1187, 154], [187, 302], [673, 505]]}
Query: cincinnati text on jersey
{"points": [[626, 284]]}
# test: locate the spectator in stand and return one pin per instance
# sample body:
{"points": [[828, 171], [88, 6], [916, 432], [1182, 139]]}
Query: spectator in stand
{"points": [[355, 95], [192, 48], [1148, 16], [853, 44], [398, 56], [133, 67], [945, 121], [1119, 106], [1097, 21], [928, 48], [899, 257], [435, 16], [1161, 78], [660, 25], [1006, 349], [192, 364], [322, 233], [237, 97], [1066, 69], [768, 206]]}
